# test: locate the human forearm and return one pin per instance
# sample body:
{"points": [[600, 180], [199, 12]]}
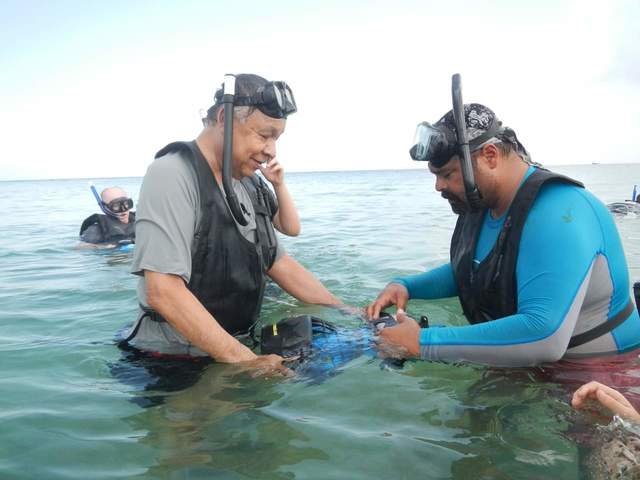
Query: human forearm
{"points": [[515, 341], [286, 220], [436, 283], [299, 282], [169, 296]]}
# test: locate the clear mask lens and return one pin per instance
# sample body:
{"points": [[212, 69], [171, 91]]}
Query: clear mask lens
{"points": [[423, 140]]}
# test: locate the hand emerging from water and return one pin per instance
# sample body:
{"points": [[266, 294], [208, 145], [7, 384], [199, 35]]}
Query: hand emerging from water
{"points": [[401, 341], [393, 294], [273, 172], [266, 366], [606, 396]]}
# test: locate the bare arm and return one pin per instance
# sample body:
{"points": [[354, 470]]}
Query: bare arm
{"points": [[168, 295], [286, 219], [300, 282]]}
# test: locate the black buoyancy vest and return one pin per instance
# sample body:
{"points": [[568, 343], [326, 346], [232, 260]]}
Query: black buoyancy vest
{"points": [[111, 229], [227, 270], [489, 291]]}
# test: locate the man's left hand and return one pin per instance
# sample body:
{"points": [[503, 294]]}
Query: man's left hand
{"points": [[404, 337], [273, 172]]}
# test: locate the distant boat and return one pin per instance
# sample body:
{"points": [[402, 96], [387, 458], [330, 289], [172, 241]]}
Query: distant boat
{"points": [[624, 208]]}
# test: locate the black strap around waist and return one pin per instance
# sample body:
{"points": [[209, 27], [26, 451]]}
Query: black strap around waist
{"points": [[146, 313], [606, 327], [248, 338]]}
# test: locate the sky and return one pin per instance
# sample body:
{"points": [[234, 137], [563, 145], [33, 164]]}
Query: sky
{"points": [[94, 89]]}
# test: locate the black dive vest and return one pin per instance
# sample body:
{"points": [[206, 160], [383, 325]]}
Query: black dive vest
{"points": [[489, 291], [227, 270], [112, 230]]}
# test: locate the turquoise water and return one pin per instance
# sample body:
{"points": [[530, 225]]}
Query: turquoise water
{"points": [[73, 406]]}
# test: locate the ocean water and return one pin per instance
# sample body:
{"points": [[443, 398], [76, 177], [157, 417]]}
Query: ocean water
{"points": [[73, 405]]}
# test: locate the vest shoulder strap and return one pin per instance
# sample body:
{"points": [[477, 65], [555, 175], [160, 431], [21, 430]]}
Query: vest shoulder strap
{"points": [[258, 189]]}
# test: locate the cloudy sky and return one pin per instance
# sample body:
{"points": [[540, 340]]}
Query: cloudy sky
{"points": [[93, 89]]}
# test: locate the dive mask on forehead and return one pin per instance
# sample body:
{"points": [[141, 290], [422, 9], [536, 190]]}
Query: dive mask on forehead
{"points": [[274, 99], [437, 143], [433, 144]]}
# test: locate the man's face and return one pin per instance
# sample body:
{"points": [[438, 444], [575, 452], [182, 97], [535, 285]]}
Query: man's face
{"points": [[254, 142], [450, 184], [111, 194]]}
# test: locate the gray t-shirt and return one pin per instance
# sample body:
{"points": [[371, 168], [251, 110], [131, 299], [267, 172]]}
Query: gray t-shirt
{"points": [[167, 219]]}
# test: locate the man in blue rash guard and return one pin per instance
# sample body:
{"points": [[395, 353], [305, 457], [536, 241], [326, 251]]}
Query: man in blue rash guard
{"points": [[540, 270]]}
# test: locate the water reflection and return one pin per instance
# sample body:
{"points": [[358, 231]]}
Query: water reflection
{"points": [[507, 425], [205, 419]]}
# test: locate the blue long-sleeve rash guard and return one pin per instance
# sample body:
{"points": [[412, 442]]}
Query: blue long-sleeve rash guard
{"points": [[571, 276]]}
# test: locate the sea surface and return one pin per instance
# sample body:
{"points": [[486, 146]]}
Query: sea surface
{"points": [[75, 406]]}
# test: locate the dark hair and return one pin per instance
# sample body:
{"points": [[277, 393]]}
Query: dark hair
{"points": [[246, 84], [505, 148]]}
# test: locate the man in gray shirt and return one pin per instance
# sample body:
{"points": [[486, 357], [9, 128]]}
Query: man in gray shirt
{"points": [[202, 273]]}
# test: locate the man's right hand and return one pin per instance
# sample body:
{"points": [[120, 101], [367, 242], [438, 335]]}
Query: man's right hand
{"points": [[393, 294], [266, 366]]}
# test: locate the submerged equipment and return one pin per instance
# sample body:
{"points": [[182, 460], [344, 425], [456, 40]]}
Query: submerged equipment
{"points": [[274, 99], [299, 336], [318, 349], [293, 336]]}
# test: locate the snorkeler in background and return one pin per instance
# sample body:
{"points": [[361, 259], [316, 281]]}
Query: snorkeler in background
{"points": [[116, 226]]}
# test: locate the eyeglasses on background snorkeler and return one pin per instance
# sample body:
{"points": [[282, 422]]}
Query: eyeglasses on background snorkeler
{"points": [[274, 99], [119, 205]]}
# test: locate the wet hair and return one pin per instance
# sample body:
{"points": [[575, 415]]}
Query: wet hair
{"points": [[246, 84]]}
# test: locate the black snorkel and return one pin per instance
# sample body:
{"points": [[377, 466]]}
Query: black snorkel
{"points": [[229, 90], [472, 194]]}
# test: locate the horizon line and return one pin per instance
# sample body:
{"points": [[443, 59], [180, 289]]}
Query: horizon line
{"points": [[298, 172]]}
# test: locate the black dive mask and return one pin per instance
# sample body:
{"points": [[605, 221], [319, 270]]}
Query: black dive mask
{"points": [[118, 205], [274, 99]]}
